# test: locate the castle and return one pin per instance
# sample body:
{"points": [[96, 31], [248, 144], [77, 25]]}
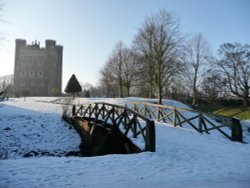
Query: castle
{"points": [[38, 71]]}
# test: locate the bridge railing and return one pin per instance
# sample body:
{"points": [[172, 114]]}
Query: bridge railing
{"points": [[184, 117], [132, 124]]}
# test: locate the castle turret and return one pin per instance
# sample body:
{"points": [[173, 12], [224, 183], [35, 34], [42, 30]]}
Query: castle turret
{"points": [[20, 42], [50, 43]]}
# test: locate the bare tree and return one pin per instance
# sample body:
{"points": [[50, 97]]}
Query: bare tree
{"points": [[107, 86], [87, 89], [86, 86], [143, 45], [120, 70], [197, 58], [130, 70], [235, 66], [111, 73], [115, 64], [213, 86], [158, 42]]}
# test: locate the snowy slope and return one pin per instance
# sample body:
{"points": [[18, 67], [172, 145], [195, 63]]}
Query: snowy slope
{"points": [[183, 158], [33, 128]]}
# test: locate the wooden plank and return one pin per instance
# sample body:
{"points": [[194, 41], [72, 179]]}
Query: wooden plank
{"points": [[200, 122], [128, 126], [179, 120], [205, 126], [163, 106], [120, 119], [148, 113], [143, 135], [151, 113], [216, 127], [161, 114], [187, 120], [150, 139], [141, 131], [168, 117], [174, 117], [145, 112]]}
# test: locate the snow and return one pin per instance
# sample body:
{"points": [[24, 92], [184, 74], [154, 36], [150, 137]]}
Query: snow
{"points": [[183, 158], [31, 126]]}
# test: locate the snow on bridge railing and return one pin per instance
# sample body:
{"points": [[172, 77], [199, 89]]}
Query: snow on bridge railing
{"points": [[185, 117]]}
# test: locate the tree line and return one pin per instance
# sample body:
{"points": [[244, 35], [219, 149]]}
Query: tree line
{"points": [[162, 63]]}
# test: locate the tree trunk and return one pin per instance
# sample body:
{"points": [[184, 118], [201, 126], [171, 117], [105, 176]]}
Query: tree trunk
{"points": [[159, 95], [120, 74], [194, 98], [194, 94], [120, 91], [150, 83], [150, 94], [159, 82], [128, 91], [246, 102]]}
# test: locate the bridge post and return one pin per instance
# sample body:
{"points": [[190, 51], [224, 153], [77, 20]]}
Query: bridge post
{"points": [[174, 117], [150, 136], [96, 111], [200, 122], [236, 130], [158, 113], [73, 110]]}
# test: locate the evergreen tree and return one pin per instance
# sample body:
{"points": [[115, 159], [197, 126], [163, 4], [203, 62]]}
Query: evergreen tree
{"points": [[73, 87]]}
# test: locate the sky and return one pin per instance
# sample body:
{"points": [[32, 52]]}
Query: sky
{"points": [[89, 29]]}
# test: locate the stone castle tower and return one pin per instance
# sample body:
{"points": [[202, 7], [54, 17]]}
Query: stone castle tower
{"points": [[38, 71]]}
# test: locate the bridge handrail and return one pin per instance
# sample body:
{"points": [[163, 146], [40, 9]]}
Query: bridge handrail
{"points": [[117, 106], [175, 118]]}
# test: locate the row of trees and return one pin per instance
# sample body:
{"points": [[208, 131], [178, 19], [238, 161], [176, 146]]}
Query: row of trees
{"points": [[161, 62]]}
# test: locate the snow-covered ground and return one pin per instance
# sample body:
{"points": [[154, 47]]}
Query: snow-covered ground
{"points": [[183, 158]]}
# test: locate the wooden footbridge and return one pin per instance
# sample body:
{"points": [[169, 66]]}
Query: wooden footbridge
{"points": [[128, 126], [134, 123]]}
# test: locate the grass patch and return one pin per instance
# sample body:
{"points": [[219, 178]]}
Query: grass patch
{"points": [[241, 113], [206, 108], [229, 108]]}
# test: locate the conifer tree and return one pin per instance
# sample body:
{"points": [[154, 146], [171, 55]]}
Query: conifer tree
{"points": [[73, 87]]}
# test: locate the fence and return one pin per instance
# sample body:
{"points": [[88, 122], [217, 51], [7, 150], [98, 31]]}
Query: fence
{"points": [[187, 117]]}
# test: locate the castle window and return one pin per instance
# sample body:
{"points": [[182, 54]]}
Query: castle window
{"points": [[40, 74], [22, 83], [23, 74], [40, 63], [31, 73]]}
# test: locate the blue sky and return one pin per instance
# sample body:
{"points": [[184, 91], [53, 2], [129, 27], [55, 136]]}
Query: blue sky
{"points": [[89, 29]]}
